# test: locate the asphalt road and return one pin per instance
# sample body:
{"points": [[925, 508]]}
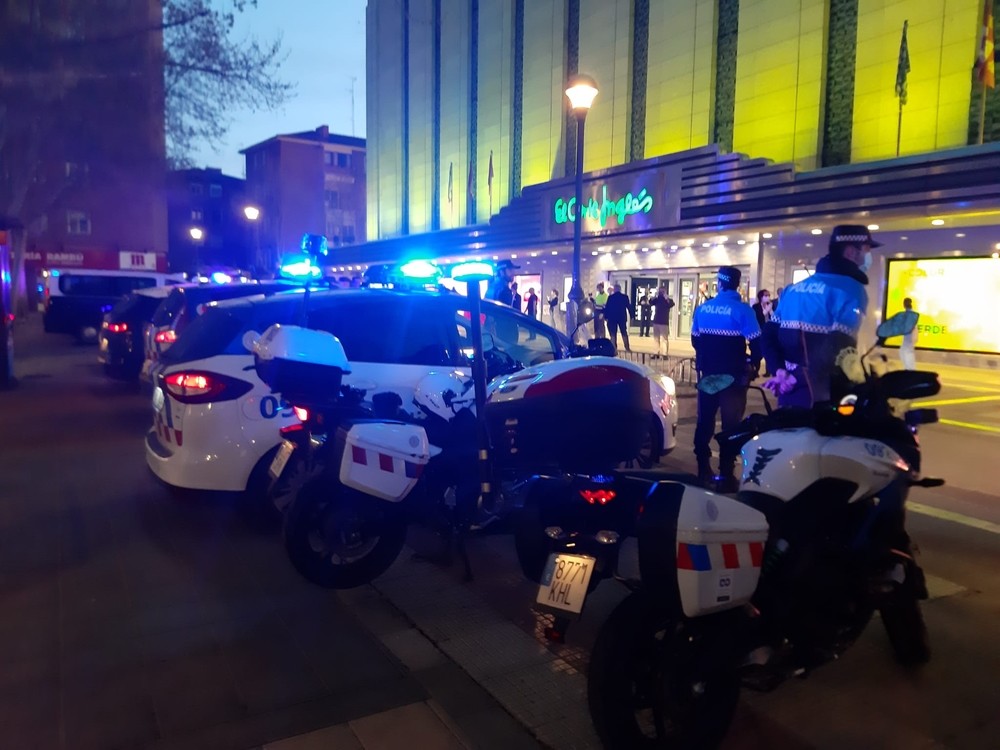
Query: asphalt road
{"points": [[129, 618]]}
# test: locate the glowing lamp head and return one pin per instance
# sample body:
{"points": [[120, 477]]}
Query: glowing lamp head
{"points": [[251, 212], [473, 271], [582, 91], [197, 233], [219, 277]]}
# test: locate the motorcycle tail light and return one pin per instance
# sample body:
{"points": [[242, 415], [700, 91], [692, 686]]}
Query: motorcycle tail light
{"points": [[117, 327], [598, 497], [166, 337], [196, 387], [301, 413], [292, 429]]}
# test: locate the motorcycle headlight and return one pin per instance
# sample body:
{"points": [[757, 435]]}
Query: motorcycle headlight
{"points": [[668, 385]]}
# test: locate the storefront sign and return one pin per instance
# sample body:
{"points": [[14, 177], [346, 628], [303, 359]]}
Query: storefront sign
{"points": [[97, 259], [606, 209], [637, 201]]}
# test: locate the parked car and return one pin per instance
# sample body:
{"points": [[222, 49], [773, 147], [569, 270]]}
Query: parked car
{"points": [[216, 425], [185, 303], [75, 301], [120, 343]]}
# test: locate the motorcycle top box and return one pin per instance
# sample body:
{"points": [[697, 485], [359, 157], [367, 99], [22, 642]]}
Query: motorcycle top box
{"points": [[587, 414], [303, 365]]}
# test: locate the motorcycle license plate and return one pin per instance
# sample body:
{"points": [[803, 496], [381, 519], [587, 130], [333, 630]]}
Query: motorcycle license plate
{"points": [[281, 458], [565, 581]]}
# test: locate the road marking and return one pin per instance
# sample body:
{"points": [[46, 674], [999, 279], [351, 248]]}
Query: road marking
{"points": [[939, 588], [970, 426], [966, 400], [950, 515]]}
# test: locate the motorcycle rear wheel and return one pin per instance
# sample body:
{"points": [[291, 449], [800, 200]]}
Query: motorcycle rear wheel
{"points": [[904, 624], [653, 682], [338, 538]]}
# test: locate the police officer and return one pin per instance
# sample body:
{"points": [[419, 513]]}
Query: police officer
{"points": [[721, 330], [818, 319], [499, 289]]}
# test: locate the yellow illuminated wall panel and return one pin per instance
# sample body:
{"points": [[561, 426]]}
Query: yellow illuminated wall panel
{"points": [[385, 118], [779, 72], [679, 77], [496, 87], [421, 107], [942, 38], [605, 53], [454, 110], [543, 110]]}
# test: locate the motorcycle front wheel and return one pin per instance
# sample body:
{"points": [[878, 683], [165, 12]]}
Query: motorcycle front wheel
{"points": [[338, 538], [656, 682]]}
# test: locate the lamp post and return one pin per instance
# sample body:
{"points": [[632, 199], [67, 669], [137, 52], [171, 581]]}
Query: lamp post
{"points": [[197, 234], [252, 214], [582, 91]]}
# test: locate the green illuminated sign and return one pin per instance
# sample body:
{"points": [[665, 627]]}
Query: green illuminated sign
{"points": [[627, 205]]}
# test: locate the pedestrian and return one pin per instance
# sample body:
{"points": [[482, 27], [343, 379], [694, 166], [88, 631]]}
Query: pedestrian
{"points": [[531, 309], [645, 314], [515, 297], [600, 300], [499, 288], [762, 307], [819, 318], [661, 305], [553, 307], [617, 313], [721, 331], [907, 355]]}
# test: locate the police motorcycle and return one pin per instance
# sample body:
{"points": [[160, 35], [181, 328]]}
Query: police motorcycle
{"points": [[748, 591]]}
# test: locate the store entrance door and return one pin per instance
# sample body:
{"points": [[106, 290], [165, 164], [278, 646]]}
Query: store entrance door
{"points": [[688, 301], [643, 287]]}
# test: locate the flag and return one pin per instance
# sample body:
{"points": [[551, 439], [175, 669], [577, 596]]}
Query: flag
{"points": [[451, 195], [472, 182], [985, 67], [903, 66], [489, 176]]}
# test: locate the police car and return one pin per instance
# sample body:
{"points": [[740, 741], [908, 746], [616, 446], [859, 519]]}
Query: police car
{"points": [[216, 425]]}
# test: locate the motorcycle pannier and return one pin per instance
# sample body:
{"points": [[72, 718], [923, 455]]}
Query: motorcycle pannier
{"points": [[303, 365], [382, 459], [720, 548]]}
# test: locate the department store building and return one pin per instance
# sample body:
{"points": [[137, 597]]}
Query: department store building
{"points": [[730, 132]]}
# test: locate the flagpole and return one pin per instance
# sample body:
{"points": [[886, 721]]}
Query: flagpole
{"points": [[982, 114], [899, 125]]}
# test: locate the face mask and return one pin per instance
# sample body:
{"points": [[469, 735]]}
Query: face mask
{"points": [[866, 262]]}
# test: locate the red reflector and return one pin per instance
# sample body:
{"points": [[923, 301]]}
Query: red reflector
{"points": [[598, 497], [166, 337], [117, 327], [302, 414], [291, 429]]}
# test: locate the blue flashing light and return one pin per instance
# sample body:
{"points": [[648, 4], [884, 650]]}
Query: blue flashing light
{"points": [[53, 273], [420, 269], [300, 269], [221, 278], [473, 271]]}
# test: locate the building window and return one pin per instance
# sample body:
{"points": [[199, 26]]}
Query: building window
{"points": [[343, 160], [348, 234], [332, 199], [196, 214], [77, 222], [328, 158], [197, 188], [215, 191]]}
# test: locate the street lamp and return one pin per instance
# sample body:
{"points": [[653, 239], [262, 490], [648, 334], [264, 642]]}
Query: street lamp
{"points": [[581, 92], [252, 214], [197, 233]]}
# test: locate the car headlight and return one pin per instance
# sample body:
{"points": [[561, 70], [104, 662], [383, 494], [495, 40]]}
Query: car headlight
{"points": [[668, 385]]}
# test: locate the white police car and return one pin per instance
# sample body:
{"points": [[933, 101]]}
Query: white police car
{"points": [[216, 425]]}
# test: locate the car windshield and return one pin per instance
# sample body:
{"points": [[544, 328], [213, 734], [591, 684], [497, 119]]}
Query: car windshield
{"points": [[135, 307]]}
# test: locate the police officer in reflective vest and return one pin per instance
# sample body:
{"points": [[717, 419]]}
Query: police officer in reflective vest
{"points": [[818, 319], [721, 330]]}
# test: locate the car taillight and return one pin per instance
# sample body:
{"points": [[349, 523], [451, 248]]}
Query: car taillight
{"points": [[301, 413], [598, 497], [116, 327], [195, 387], [166, 337]]}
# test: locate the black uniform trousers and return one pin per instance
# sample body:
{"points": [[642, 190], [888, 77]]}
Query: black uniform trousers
{"points": [[732, 403]]}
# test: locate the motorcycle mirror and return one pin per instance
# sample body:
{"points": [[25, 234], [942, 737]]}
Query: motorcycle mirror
{"points": [[898, 325], [250, 339]]}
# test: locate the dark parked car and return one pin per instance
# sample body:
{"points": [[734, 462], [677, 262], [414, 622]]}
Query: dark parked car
{"points": [[121, 337]]}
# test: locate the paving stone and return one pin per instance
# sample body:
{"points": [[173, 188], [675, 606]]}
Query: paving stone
{"points": [[404, 727]]}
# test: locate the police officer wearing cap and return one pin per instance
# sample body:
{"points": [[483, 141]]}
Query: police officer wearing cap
{"points": [[817, 319], [499, 289], [721, 331]]}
